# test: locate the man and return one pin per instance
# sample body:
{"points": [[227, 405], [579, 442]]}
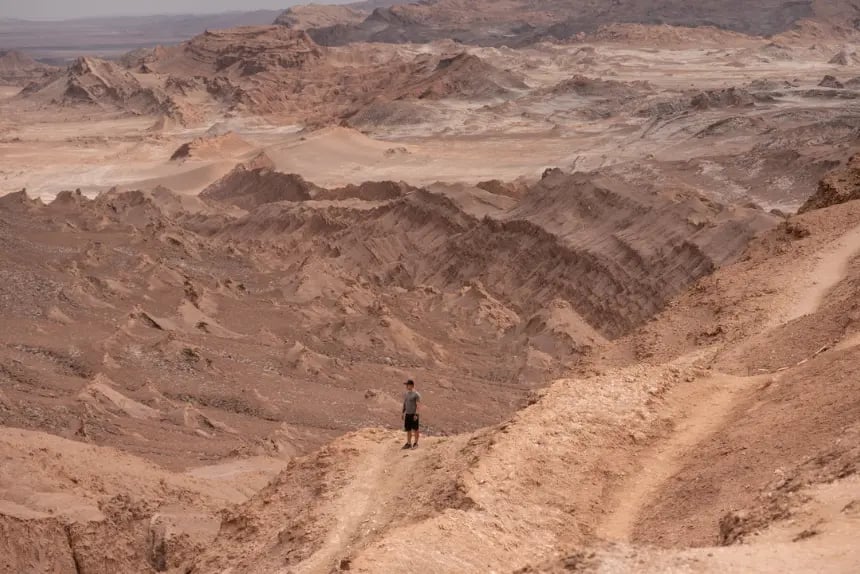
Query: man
{"points": [[411, 404]]}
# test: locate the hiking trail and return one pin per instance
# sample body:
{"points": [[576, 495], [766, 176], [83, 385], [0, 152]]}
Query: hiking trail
{"points": [[827, 273], [712, 399], [364, 504]]}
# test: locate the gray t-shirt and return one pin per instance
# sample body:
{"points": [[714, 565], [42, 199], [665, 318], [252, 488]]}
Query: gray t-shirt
{"points": [[410, 402]]}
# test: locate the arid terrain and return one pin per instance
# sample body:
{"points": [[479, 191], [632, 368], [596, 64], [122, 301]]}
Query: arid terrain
{"points": [[59, 41], [617, 247]]}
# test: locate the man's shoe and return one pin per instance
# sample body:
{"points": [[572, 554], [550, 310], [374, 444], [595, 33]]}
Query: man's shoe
{"points": [[406, 446], [415, 445]]}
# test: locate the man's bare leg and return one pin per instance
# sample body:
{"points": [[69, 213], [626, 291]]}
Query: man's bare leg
{"points": [[417, 432]]}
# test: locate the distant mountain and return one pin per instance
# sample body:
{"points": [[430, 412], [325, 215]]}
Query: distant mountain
{"points": [[18, 69], [518, 22], [64, 41], [311, 16]]}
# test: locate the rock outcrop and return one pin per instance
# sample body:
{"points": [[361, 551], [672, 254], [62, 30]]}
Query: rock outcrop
{"points": [[95, 82], [837, 187], [461, 76]]}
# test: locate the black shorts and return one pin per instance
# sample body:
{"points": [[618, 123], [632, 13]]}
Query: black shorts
{"points": [[410, 422]]}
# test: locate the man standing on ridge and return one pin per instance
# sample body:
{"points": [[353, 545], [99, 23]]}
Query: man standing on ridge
{"points": [[411, 404]]}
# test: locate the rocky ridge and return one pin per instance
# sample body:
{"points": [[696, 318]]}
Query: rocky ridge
{"points": [[837, 187], [514, 23], [94, 82]]}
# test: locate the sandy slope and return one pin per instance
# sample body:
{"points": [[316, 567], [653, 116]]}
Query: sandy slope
{"points": [[709, 407], [184, 366], [600, 458], [269, 314], [829, 270], [94, 509]]}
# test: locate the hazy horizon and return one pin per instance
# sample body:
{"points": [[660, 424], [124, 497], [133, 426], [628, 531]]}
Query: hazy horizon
{"points": [[64, 10]]}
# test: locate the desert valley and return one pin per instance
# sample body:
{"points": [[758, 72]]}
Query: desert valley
{"points": [[617, 246]]}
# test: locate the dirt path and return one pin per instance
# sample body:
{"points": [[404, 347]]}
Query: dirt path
{"points": [[363, 504], [712, 401], [848, 342], [826, 274]]}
